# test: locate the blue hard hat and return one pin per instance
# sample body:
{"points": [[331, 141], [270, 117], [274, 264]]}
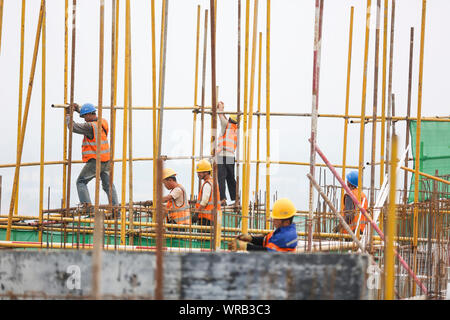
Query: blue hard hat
{"points": [[87, 108], [352, 178]]}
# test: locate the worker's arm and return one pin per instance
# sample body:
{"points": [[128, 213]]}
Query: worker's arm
{"points": [[206, 193], [222, 117], [167, 198], [81, 128]]}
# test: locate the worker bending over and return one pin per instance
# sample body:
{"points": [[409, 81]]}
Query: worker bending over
{"points": [[89, 152], [177, 206], [283, 239], [226, 149], [205, 201], [351, 212]]}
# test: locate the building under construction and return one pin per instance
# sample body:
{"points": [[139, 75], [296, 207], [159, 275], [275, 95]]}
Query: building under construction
{"points": [[405, 244]]}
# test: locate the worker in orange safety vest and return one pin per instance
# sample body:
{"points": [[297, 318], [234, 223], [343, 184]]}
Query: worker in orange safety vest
{"points": [[205, 204], [89, 153], [177, 205], [226, 148], [352, 214]]}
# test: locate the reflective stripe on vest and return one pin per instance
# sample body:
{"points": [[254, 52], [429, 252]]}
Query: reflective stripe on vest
{"points": [[273, 246], [89, 146], [181, 214], [228, 141], [207, 212]]}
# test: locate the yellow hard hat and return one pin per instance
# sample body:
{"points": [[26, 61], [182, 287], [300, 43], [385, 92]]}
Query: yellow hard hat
{"points": [[168, 172], [233, 118], [283, 209], [204, 166]]}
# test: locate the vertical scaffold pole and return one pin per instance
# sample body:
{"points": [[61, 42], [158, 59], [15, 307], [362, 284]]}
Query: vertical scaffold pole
{"points": [[417, 157], [347, 96], [24, 123], [267, 116], [194, 124], [258, 125], [154, 122], [98, 217], [202, 122], [41, 164], [314, 113], [390, 226], [238, 104], [383, 92], [248, 145], [363, 106], [66, 54]]}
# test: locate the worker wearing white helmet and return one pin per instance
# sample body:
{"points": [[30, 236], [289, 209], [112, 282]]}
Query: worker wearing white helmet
{"points": [[283, 239], [177, 205], [226, 147]]}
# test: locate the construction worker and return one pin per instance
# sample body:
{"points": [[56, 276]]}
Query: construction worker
{"points": [[226, 148], [351, 212], [177, 205], [283, 239], [205, 203], [89, 153]]}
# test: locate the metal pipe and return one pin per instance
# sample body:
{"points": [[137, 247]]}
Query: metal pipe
{"points": [[72, 89], [66, 44], [363, 106], [417, 160], [216, 213], [205, 46], [238, 103], [347, 96], [258, 125], [391, 62], [391, 226], [383, 93], [24, 123], [268, 116], [194, 125], [314, 111], [248, 145], [130, 138], [125, 121], [364, 212], [159, 272], [408, 112], [19, 113], [1, 22], [154, 106], [98, 216], [41, 166]]}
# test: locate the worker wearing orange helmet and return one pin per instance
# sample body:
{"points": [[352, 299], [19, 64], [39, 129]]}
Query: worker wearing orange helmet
{"points": [[177, 205], [226, 148], [283, 239], [205, 201]]}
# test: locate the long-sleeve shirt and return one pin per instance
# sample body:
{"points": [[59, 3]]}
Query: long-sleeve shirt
{"points": [[223, 127], [282, 239], [206, 193], [82, 128]]}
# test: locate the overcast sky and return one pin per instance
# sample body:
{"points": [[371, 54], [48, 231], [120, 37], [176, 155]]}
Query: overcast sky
{"points": [[292, 34]]}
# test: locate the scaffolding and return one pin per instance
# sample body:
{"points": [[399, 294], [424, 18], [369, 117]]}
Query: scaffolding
{"points": [[418, 234]]}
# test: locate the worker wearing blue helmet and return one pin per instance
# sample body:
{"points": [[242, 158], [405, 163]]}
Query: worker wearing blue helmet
{"points": [[89, 153], [351, 214]]}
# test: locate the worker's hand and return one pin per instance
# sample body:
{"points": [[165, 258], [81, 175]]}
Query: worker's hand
{"points": [[232, 245], [237, 245], [220, 106], [245, 237], [76, 107]]}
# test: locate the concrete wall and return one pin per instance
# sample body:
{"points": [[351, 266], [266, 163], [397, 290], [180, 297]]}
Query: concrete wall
{"points": [[67, 274]]}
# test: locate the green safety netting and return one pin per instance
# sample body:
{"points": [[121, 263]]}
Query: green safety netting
{"points": [[434, 155]]}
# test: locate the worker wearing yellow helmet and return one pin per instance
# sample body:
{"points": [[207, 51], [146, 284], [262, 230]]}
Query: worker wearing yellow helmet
{"points": [[283, 239], [177, 205], [226, 147], [205, 204]]}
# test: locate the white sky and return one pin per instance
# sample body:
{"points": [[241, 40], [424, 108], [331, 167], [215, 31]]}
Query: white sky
{"points": [[292, 31]]}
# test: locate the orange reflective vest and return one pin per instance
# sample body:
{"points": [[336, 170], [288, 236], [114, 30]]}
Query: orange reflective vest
{"points": [[89, 146], [286, 237], [228, 142], [363, 220], [207, 212], [178, 214]]}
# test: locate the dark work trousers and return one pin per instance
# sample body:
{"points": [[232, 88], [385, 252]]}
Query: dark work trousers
{"points": [[225, 168]]}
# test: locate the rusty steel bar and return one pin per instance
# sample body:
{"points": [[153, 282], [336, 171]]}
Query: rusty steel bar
{"points": [[373, 223], [314, 111], [159, 272], [408, 112], [267, 204], [238, 102], [383, 92], [66, 44], [205, 46]]}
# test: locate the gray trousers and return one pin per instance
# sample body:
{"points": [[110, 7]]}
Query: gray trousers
{"points": [[87, 174]]}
